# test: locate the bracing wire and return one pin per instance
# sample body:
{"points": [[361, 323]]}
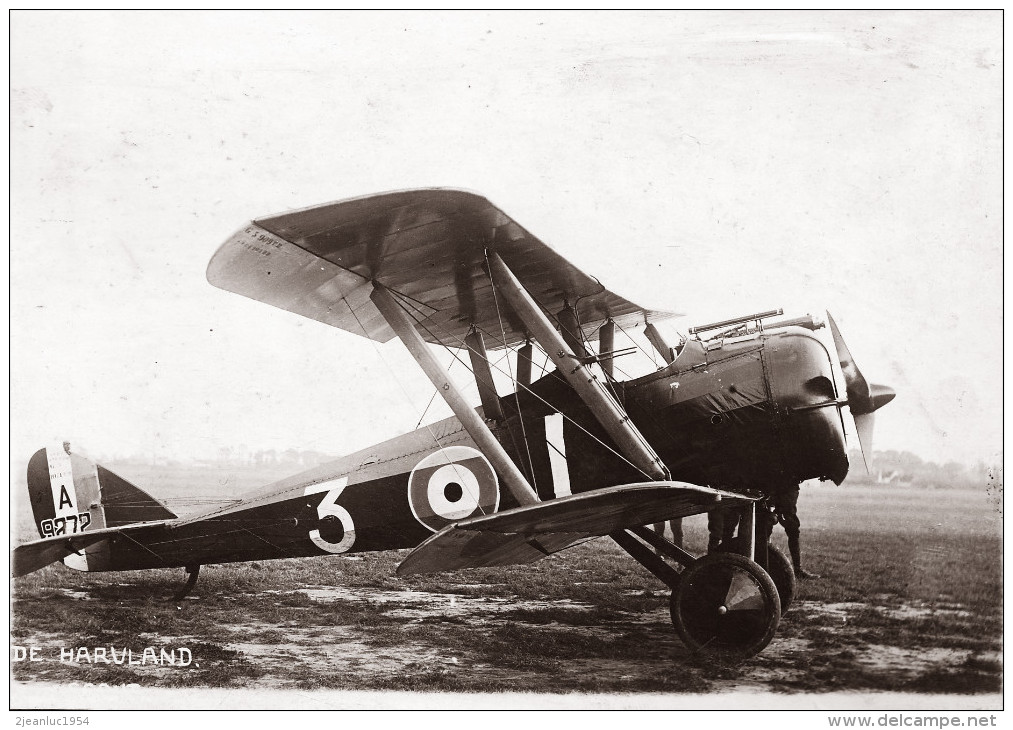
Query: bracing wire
{"points": [[397, 299], [430, 403], [420, 316], [247, 528], [536, 395], [650, 353], [631, 341], [517, 399], [408, 311], [387, 365], [502, 339]]}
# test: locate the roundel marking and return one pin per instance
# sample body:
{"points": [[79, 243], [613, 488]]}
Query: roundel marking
{"points": [[450, 485]]}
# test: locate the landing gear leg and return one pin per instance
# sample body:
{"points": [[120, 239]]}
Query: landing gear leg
{"points": [[754, 537], [646, 557], [724, 607], [192, 571]]}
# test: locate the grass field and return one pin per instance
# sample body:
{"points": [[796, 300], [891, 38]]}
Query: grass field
{"points": [[910, 600]]}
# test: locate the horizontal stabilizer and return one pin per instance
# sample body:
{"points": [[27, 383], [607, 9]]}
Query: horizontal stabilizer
{"points": [[36, 555], [526, 534], [429, 246]]}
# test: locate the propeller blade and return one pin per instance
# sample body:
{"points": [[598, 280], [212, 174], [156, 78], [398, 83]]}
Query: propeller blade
{"points": [[858, 388], [865, 424], [863, 399]]}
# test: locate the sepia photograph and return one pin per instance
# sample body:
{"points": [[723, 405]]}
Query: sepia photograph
{"points": [[488, 360]]}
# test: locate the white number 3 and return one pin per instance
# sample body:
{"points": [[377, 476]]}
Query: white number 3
{"points": [[329, 507]]}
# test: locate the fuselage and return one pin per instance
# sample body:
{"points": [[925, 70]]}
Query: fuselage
{"points": [[751, 413]]}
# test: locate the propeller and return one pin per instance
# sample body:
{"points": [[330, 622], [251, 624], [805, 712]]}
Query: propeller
{"points": [[864, 398]]}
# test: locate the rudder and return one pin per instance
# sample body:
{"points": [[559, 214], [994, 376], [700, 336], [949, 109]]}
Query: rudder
{"points": [[71, 494]]}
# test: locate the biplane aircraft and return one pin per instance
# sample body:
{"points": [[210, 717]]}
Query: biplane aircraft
{"points": [[740, 409]]}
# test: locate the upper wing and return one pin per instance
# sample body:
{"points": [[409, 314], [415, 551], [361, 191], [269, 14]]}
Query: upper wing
{"points": [[526, 534], [428, 245]]}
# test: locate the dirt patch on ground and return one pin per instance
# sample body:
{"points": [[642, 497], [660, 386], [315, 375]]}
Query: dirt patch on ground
{"points": [[464, 640]]}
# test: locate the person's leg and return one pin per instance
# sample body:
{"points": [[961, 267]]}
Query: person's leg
{"points": [[793, 528], [796, 556], [659, 528], [716, 519], [676, 531], [731, 523]]}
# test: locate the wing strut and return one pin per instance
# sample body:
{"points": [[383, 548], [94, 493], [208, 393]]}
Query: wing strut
{"points": [[483, 376], [605, 408], [607, 344], [524, 364], [569, 326], [656, 339], [475, 426]]}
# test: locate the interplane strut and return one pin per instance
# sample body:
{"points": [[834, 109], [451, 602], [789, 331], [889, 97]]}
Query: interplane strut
{"points": [[609, 413], [476, 428]]}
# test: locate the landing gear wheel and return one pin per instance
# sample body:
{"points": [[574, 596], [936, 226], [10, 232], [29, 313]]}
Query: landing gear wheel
{"points": [[725, 607], [778, 567]]}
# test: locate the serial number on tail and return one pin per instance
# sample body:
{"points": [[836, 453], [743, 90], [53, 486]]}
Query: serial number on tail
{"points": [[68, 525]]}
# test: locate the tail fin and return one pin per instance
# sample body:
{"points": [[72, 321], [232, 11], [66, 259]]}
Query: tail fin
{"points": [[71, 494]]}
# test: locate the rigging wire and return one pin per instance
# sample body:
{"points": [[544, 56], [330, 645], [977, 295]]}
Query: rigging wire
{"points": [[402, 300], [650, 353], [430, 403], [635, 345], [249, 525], [606, 378], [387, 365], [264, 540], [536, 395], [398, 300], [517, 399], [142, 545]]}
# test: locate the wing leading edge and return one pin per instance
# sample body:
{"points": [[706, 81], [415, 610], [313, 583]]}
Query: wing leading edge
{"points": [[526, 534], [429, 246]]}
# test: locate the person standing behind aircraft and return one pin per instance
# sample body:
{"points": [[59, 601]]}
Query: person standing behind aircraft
{"points": [[786, 511], [676, 524], [722, 524]]}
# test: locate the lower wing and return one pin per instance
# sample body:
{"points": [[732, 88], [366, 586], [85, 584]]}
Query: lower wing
{"points": [[526, 534]]}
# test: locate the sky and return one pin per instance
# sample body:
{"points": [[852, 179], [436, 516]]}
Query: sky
{"points": [[710, 163]]}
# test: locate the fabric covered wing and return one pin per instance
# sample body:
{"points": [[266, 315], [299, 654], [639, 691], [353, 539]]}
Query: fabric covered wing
{"points": [[427, 245], [526, 534]]}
